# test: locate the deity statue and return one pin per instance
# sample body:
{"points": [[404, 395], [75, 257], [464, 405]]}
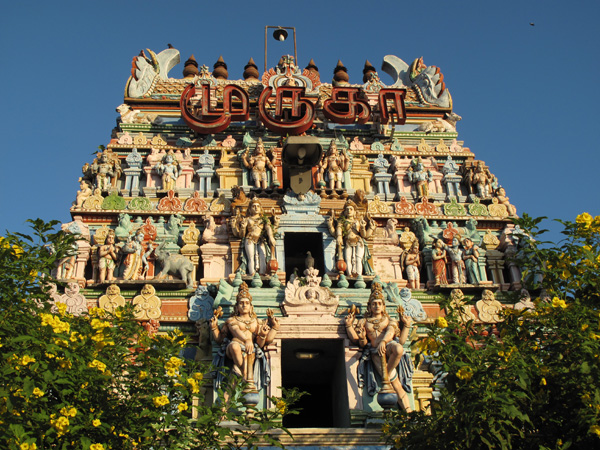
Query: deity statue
{"points": [[258, 164], [382, 339], [258, 232], [152, 161], [168, 168], [471, 259], [351, 232], [438, 256], [480, 179], [244, 337], [334, 165], [419, 177], [135, 257], [107, 258], [489, 308], [411, 260], [84, 192], [102, 168], [457, 265], [504, 200]]}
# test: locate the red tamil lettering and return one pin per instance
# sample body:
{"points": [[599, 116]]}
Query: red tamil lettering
{"points": [[294, 114], [346, 107], [391, 102]]}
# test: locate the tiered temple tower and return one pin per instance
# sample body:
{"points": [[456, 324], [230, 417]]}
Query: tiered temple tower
{"points": [[315, 201]]}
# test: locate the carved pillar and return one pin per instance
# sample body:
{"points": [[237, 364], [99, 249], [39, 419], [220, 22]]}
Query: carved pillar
{"points": [[383, 185], [190, 249], [386, 260], [422, 391], [217, 260], [427, 259], [360, 176], [496, 265], [229, 172]]}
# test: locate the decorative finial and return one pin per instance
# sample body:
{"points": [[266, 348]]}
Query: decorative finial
{"points": [[250, 70], [220, 69], [312, 66], [368, 70], [340, 74], [190, 68]]}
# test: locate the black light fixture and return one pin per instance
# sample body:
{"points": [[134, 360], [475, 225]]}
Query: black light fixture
{"points": [[299, 155], [280, 34]]}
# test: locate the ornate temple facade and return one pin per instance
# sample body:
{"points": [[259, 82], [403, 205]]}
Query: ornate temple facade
{"points": [[315, 220]]}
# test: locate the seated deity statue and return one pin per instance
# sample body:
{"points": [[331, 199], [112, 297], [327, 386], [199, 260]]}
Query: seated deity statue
{"points": [[351, 233], [334, 164], [258, 164], [107, 258], [382, 339], [244, 337], [168, 169], [258, 237], [84, 192]]}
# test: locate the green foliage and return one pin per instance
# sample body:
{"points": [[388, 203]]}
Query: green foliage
{"points": [[533, 380], [100, 381]]}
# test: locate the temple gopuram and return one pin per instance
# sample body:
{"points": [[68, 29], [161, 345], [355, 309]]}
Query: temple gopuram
{"points": [[318, 220]]}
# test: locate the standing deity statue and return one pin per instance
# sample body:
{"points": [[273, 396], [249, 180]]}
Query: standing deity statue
{"points": [[258, 163], [257, 232], [382, 339], [168, 169], [244, 337], [471, 259], [351, 232], [411, 260], [103, 170], [135, 257], [480, 180], [419, 177], [438, 256], [107, 258], [457, 265], [334, 164]]}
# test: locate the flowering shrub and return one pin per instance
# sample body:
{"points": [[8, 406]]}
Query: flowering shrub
{"points": [[533, 380], [99, 381]]}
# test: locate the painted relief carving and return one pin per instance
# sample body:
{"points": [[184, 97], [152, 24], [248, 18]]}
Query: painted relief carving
{"points": [[147, 304], [112, 299], [75, 301], [458, 303], [489, 308], [305, 296]]}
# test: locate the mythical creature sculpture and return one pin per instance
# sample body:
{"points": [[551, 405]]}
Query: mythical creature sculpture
{"points": [[351, 232], [146, 67], [244, 337], [257, 231], [174, 264], [381, 339]]}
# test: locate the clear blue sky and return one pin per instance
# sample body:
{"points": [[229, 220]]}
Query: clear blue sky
{"points": [[528, 95]]}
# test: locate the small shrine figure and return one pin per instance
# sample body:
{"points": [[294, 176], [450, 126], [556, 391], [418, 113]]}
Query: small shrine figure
{"points": [[438, 256], [186, 164], [244, 338], [334, 165], [132, 172], [152, 160], [419, 177], [381, 339], [471, 259], [257, 232], [205, 172], [457, 265], [351, 232], [135, 258], [504, 200], [489, 308], [103, 170], [84, 192], [480, 180], [107, 258], [411, 260], [168, 169], [258, 164]]}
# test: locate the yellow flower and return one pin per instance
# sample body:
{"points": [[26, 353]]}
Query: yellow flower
{"points": [[182, 407], [281, 406], [61, 424], [98, 365], [198, 376], [584, 219], [584, 327], [26, 446], [194, 384], [96, 422], [558, 303], [38, 392], [98, 324], [385, 428], [97, 312], [26, 359], [68, 412], [595, 429], [465, 373], [441, 322], [143, 375], [160, 401], [62, 308], [96, 447], [543, 382]]}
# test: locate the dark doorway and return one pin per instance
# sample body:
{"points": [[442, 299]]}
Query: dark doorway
{"points": [[296, 245], [316, 366]]}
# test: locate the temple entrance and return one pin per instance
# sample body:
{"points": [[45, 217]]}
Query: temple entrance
{"points": [[316, 366], [296, 245]]}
